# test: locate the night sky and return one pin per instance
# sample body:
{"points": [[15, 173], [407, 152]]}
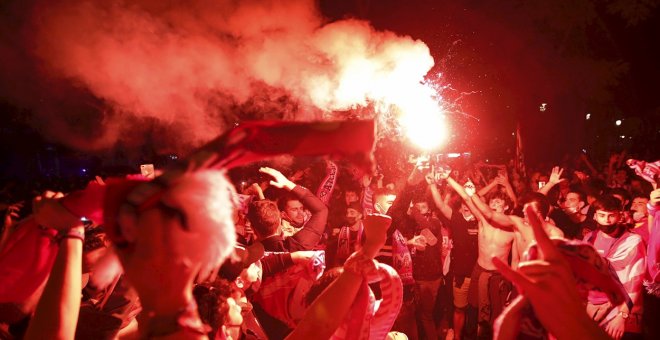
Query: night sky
{"points": [[498, 62], [579, 57]]}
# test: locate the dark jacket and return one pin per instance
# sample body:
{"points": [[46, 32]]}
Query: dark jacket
{"points": [[309, 236]]}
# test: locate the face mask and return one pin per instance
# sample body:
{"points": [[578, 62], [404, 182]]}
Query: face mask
{"points": [[608, 229], [638, 216]]}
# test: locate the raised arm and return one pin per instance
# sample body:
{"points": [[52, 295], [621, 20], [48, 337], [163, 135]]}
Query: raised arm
{"points": [[555, 178], [328, 311], [444, 208], [310, 235], [399, 209], [56, 315], [461, 191], [485, 190], [494, 218], [504, 181]]}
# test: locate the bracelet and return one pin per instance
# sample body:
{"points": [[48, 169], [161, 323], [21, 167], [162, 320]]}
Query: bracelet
{"points": [[71, 233]]}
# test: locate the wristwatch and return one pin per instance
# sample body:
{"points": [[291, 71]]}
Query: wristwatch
{"points": [[624, 315]]}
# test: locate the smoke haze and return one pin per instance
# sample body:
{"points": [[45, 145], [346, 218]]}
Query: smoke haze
{"points": [[96, 73]]}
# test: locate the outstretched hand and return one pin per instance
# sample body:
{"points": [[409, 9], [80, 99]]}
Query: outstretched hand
{"points": [[375, 230], [442, 173], [49, 212], [654, 198], [555, 176], [12, 212], [279, 181], [551, 288], [417, 174]]}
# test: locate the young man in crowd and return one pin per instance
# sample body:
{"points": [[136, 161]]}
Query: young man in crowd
{"points": [[571, 215], [522, 237], [395, 252], [266, 219], [345, 240], [464, 229], [626, 254], [427, 263], [487, 292], [640, 216]]}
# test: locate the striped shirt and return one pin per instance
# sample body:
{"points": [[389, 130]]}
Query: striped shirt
{"points": [[627, 257]]}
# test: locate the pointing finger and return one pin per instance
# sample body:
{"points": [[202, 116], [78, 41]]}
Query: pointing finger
{"points": [[546, 245]]}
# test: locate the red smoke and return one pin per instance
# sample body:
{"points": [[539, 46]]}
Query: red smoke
{"points": [[192, 65]]}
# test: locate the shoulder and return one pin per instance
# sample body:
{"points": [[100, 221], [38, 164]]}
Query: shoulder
{"points": [[632, 239], [553, 230]]}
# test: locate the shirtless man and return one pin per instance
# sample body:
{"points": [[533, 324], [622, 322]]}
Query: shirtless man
{"points": [[523, 236], [485, 292]]}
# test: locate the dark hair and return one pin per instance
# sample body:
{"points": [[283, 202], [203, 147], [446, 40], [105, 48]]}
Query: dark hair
{"points": [[282, 201], [581, 195], [608, 203], [264, 216], [420, 198], [94, 239], [539, 199], [499, 195], [621, 192], [211, 299], [639, 195]]}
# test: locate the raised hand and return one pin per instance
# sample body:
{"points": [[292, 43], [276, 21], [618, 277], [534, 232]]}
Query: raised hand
{"points": [[551, 288], [500, 180], [581, 176], [555, 176], [442, 173], [654, 198], [12, 210], [375, 230], [365, 180], [419, 242], [429, 178], [48, 212], [279, 180], [417, 174]]}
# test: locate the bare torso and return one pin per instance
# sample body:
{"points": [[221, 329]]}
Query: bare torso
{"points": [[525, 237], [493, 242]]}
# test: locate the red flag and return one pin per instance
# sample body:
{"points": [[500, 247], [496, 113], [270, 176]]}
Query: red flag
{"points": [[254, 141]]}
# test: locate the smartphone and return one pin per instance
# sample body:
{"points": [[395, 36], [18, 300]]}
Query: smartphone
{"points": [[147, 170], [541, 184]]}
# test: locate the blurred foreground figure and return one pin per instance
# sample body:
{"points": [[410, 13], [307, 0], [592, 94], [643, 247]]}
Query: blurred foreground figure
{"points": [[548, 283], [185, 231]]}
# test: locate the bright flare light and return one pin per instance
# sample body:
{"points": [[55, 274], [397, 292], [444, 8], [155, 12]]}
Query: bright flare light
{"points": [[422, 116]]}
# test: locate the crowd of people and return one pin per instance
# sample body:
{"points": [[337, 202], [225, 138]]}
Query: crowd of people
{"points": [[325, 250]]}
